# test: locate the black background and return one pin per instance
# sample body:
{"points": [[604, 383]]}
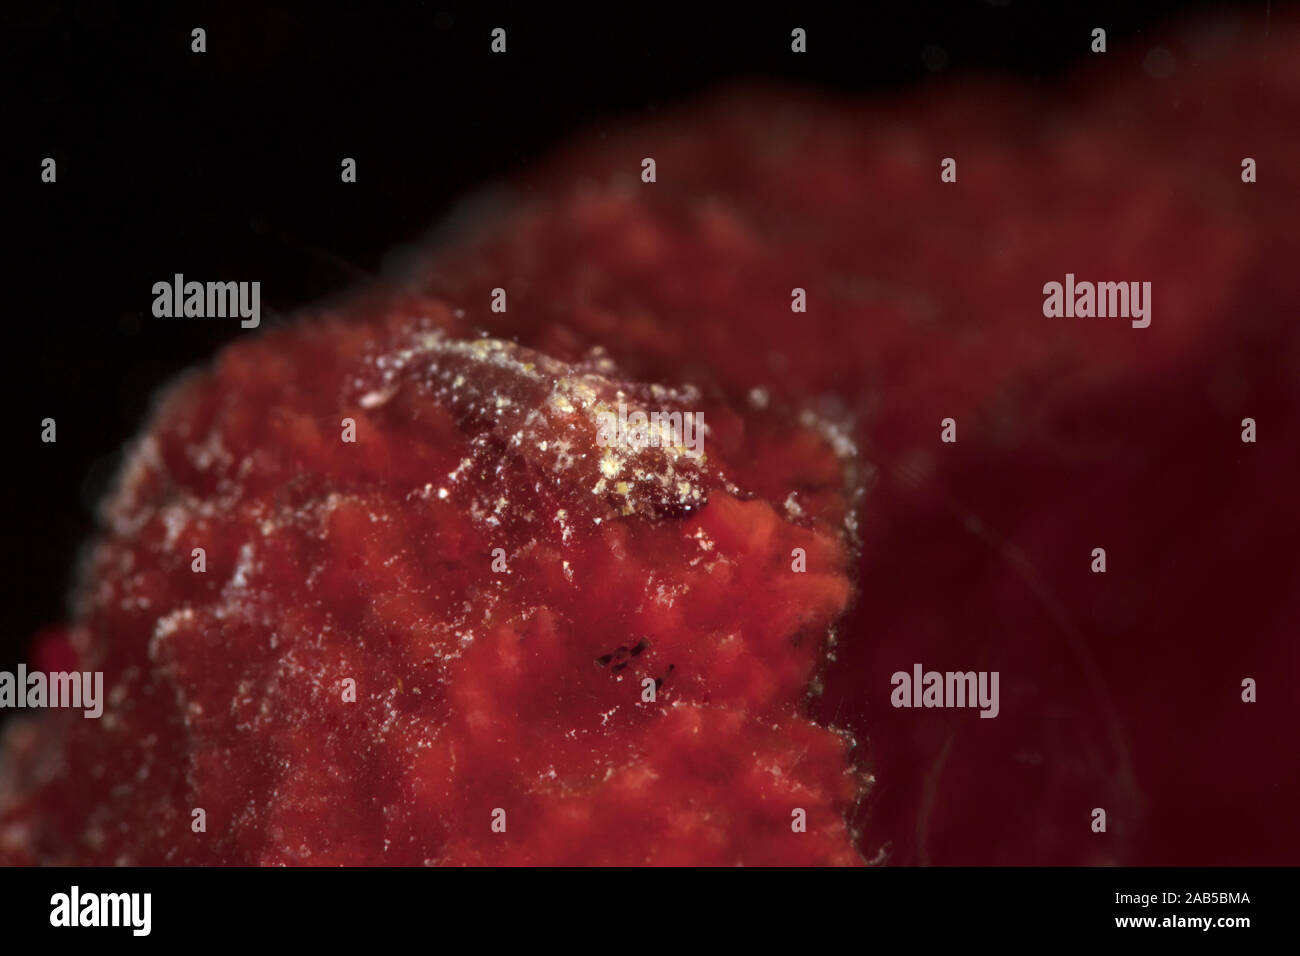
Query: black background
{"points": [[225, 165]]}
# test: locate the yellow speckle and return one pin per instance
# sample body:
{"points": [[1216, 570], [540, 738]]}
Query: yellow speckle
{"points": [[610, 466]]}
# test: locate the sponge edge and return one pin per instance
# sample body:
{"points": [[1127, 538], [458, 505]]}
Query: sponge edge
{"points": [[431, 627]]}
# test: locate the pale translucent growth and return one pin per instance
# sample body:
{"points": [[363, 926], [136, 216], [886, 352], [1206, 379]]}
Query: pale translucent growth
{"points": [[509, 394], [610, 465]]}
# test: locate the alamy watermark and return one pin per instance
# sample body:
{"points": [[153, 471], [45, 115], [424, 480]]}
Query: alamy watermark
{"points": [[75, 909], [208, 300], [82, 690], [948, 689], [1086, 300], [638, 430]]}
